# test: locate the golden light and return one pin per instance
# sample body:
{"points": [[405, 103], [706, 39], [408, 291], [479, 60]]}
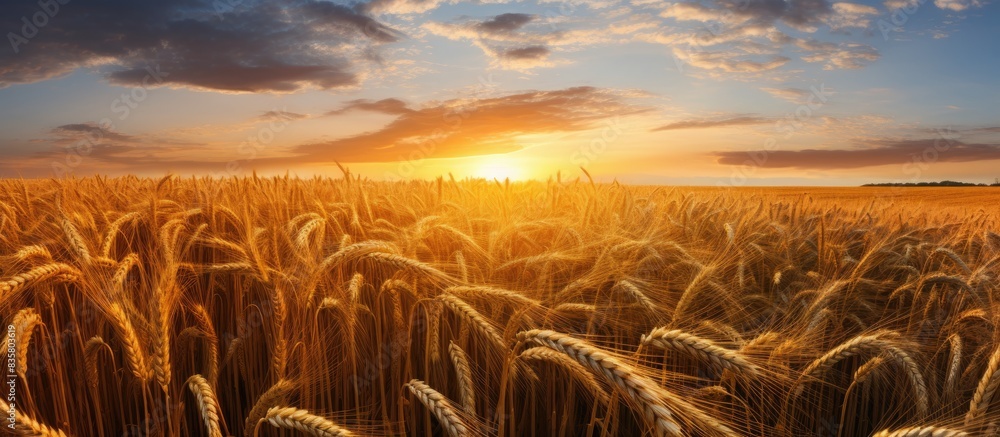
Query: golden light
{"points": [[498, 167]]}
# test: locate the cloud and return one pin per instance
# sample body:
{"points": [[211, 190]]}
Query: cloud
{"points": [[838, 56], [469, 127], [92, 148], [400, 6], [803, 15], [875, 153], [794, 95], [729, 61], [846, 15], [255, 46], [690, 12], [957, 5], [280, 115], [701, 124], [504, 24], [69, 133], [893, 5], [384, 106], [508, 39], [530, 52], [519, 41], [991, 130], [731, 36]]}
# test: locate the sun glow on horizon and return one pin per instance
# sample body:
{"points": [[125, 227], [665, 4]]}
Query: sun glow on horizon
{"points": [[499, 167]]}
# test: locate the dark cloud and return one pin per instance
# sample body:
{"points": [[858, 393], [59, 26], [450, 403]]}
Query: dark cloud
{"points": [[508, 40], [385, 106], [77, 131], [881, 152], [992, 129], [531, 52], [699, 124], [281, 115], [504, 23], [255, 46], [471, 127], [799, 14], [796, 13]]}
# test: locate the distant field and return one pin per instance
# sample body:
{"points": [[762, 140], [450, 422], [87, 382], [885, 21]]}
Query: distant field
{"points": [[188, 307]]}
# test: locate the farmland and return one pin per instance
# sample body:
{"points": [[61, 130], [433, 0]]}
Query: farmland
{"points": [[280, 306]]}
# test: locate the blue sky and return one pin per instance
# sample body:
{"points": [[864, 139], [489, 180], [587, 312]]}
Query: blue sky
{"points": [[755, 92]]}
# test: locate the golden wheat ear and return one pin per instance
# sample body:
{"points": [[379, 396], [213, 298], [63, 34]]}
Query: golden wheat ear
{"points": [[704, 349], [466, 388], [301, 420], [922, 431], [208, 404], [442, 408], [274, 396]]}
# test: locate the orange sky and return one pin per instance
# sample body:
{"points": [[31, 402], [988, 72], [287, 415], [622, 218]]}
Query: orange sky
{"points": [[708, 92]]}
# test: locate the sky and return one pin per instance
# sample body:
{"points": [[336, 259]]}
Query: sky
{"points": [[710, 92]]}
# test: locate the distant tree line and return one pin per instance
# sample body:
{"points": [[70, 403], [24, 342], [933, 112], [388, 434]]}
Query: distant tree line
{"points": [[934, 184]]}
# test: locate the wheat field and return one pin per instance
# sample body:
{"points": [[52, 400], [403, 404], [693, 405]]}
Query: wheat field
{"points": [[326, 307]]}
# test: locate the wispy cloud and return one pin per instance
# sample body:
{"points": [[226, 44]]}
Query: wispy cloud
{"points": [[469, 127], [709, 123], [875, 153]]}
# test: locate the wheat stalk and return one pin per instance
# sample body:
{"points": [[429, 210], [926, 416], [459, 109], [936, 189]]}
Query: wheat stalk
{"points": [[76, 241], [24, 323], [16, 283], [302, 420], [91, 348], [954, 366], [489, 293], [133, 347], [277, 394], [629, 288], [161, 343], [466, 388], [701, 348], [438, 404], [204, 320], [208, 404], [870, 344], [922, 431], [655, 401], [467, 312], [985, 390], [302, 238], [572, 367], [33, 251], [25, 425], [413, 267]]}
